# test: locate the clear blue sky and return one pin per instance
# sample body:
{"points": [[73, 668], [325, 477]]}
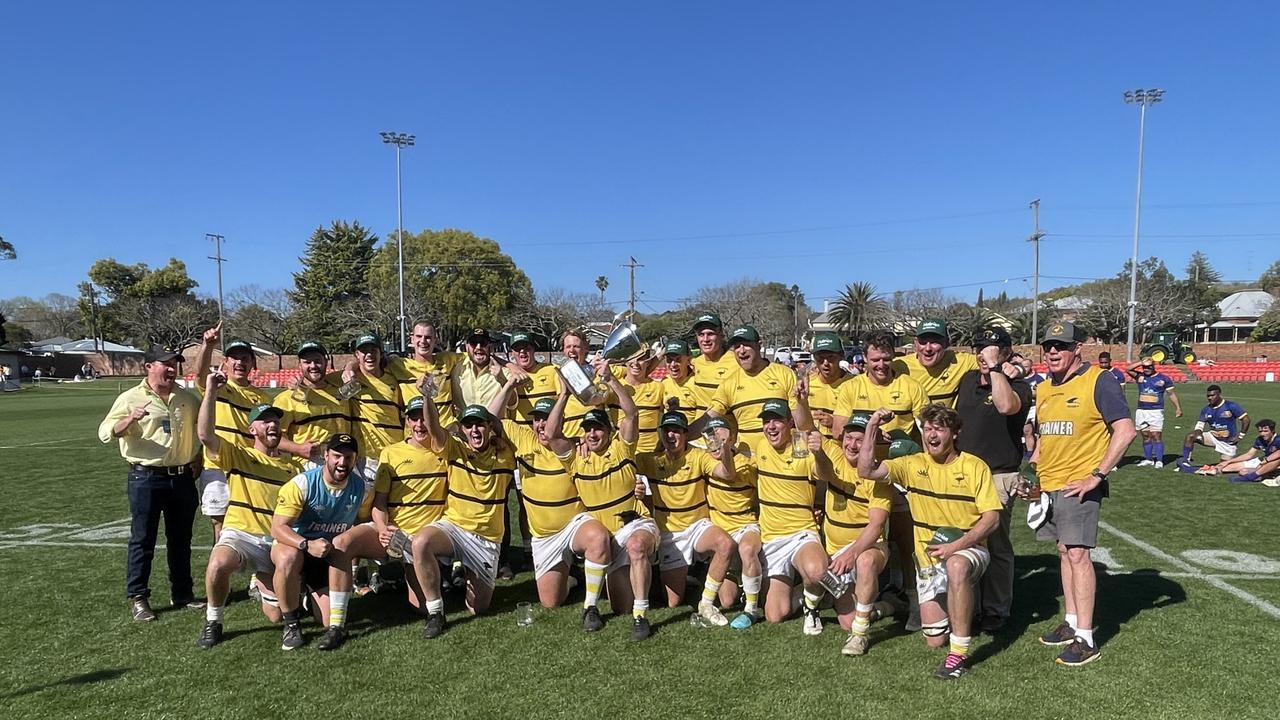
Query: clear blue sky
{"points": [[807, 143]]}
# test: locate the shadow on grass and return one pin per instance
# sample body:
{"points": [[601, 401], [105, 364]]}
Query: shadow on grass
{"points": [[1037, 590], [88, 678]]}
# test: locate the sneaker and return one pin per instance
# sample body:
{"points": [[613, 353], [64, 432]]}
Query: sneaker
{"points": [[140, 607], [332, 638], [855, 645], [952, 668], [1147, 463], [640, 629], [1078, 653], [712, 615], [255, 594], [211, 635], [504, 573], [291, 639], [191, 604], [1183, 466], [1159, 464], [882, 609], [458, 577], [591, 621], [1271, 482], [1061, 635], [1207, 470], [812, 622], [435, 626], [745, 620]]}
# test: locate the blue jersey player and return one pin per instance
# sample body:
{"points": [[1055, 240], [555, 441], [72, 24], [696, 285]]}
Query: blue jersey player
{"points": [[1152, 388], [1220, 426], [1256, 463]]}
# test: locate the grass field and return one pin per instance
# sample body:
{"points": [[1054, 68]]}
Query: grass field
{"points": [[1186, 621]]}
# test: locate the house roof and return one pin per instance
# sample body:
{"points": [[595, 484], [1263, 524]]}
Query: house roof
{"points": [[1249, 304], [80, 347]]}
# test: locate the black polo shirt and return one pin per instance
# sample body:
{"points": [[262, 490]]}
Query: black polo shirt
{"points": [[994, 437]]}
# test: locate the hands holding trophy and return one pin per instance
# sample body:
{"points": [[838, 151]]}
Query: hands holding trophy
{"points": [[622, 345]]}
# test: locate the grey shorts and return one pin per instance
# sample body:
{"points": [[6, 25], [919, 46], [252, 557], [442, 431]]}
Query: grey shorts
{"points": [[1073, 522]]}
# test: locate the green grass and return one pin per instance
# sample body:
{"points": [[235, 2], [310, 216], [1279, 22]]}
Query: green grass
{"points": [[1174, 645]]}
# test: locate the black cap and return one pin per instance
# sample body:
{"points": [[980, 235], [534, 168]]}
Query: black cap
{"points": [[479, 334], [342, 442], [993, 336], [160, 354]]}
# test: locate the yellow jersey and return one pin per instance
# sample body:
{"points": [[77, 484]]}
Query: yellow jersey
{"points": [[231, 413], [742, 394], [787, 490], [407, 371], [941, 383], [542, 384], [478, 485], [902, 395], [1074, 431], [375, 413], [648, 398], [547, 489], [165, 436], [951, 495], [708, 374], [415, 481], [850, 500], [822, 397], [606, 482], [689, 400], [318, 415], [733, 503], [679, 487], [254, 479]]}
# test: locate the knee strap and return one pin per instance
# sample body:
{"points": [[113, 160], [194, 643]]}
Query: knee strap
{"points": [[937, 629]]}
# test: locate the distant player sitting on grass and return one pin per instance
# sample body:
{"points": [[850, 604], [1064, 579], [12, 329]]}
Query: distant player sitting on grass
{"points": [[1225, 422], [1256, 463]]}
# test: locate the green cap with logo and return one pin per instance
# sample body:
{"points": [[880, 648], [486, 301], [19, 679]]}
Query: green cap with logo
{"points": [[944, 535], [716, 423], [676, 347], [259, 411], [932, 326], [475, 412], [414, 405], [596, 417], [311, 345], [710, 320], [744, 334], [901, 444], [777, 408], [857, 421], [543, 406], [521, 336], [827, 342], [1062, 331], [368, 339], [673, 418], [237, 345]]}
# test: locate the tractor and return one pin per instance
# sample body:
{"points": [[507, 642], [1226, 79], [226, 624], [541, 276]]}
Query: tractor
{"points": [[1165, 347]]}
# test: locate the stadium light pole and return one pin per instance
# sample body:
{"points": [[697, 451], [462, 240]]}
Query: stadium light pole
{"points": [[1142, 98], [401, 141]]}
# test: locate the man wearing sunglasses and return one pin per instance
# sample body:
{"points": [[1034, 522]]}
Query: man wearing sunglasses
{"points": [[1084, 430]]}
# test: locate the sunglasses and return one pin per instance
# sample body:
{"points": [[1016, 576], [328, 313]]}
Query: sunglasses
{"points": [[1055, 345]]}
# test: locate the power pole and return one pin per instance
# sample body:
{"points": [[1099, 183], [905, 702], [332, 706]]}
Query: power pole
{"points": [[1035, 289], [218, 259], [93, 316], [632, 266]]}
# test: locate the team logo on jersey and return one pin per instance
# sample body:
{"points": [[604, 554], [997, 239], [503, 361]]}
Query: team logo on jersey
{"points": [[1073, 402], [1226, 414], [958, 480], [988, 401], [895, 395], [773, 383], [922, 472]]}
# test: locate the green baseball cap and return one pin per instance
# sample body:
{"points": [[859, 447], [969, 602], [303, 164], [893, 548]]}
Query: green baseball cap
{"points": [[596, 417], [710, 320], [901, 444], [827, 342], [716, 423], [235, 345], [744, 334], [310, 345], [368, 339], [774, 406], [677, 347], [521, 336], [415, 404], [475, 412], [258, 411], [944, 535], [672, 417], [543, 406], [932, 326], [857, 421]]}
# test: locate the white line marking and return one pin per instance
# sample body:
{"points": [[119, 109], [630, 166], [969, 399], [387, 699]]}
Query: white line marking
{"points": [[1192, 571], [56, 543], [34, 444], [63, 447]]}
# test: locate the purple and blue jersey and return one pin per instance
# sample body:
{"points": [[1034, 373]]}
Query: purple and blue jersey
{"points": [[1117, 374], [1265, 448], [1223, 421], [1151, 390]]}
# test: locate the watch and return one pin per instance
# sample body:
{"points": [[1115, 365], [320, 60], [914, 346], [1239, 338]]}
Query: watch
{"points": [[1097, 472], [303, 545]]}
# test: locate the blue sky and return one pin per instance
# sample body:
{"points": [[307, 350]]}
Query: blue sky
{"points": [[815, 143]]}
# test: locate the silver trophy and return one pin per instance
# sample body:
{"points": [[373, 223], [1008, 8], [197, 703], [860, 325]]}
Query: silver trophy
{"points": [[622, 345]]}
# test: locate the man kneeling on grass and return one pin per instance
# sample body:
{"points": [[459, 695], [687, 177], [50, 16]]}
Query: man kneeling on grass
{"points": [[954, 506], [314, 513]]}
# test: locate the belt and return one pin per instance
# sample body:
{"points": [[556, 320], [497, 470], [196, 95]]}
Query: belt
{"points": [[188, 469]]}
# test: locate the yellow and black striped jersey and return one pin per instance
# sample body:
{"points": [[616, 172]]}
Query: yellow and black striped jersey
{"points": [[478, 485], [375, 413], [415, 480], [902, 395], [408, 370], [786, 488], [849, 503], [231, 413], [314, 414], [733, 503], [709, 374], [543, 383], [822, 398], [941, 383], [742, 394], [606, 482], [648, 399], [254, 480], [679, 486], [689, 399], [951, 495], [547, 489]]}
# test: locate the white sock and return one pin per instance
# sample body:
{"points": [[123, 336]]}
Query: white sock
{"points": [[435, 606], [1085, 635], [1072, 621], [213, 614], [338, 608], [751, 588], [811, 600], [639, 608]]}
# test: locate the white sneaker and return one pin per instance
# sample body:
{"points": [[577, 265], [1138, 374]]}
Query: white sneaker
{"points": [[1146, 463], [855, 645], [1271, 482], [812, 622], [1158, 464], [712, 614]]}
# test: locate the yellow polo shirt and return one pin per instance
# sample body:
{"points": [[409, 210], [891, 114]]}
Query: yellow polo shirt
{"points": [[165, 436]]}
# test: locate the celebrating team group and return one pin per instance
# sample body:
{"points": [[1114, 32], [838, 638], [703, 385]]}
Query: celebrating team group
{"points": [[794, 488]]}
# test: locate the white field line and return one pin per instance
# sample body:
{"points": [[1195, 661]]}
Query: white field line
{"points": [[1192, 571], [60, 447], [34, 444], [85, 544], [67, 532]]}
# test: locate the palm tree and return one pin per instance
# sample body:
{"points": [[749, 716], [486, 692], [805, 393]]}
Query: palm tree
{"points": [[602, 283], [859, 309]]}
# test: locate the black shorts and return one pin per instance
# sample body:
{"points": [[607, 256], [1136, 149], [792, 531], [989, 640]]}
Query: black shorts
{"points": [[315, 574]]}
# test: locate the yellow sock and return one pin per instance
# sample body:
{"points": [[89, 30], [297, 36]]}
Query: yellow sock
{"points": [[710, 589], [594, 573], [960, 645], [639, 608], [861, 619], [751, 587]]}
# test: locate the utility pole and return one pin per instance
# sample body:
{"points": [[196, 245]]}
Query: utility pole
{"points": [[1142, 98], [632, 266], [93, 316], [217, 258], [1035, 289]]}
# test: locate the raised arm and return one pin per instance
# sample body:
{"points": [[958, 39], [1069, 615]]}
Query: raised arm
{"points": [[498, 405], [205, 423], [801, 414], [559, 444], [208, 342], [868, 467], [823, 471]]}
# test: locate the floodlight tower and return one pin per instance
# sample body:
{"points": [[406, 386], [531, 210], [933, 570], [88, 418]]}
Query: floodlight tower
{"points": [[401, 141], [1141, 98]]}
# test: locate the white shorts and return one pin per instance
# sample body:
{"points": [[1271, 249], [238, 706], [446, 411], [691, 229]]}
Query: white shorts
{"points": [[679, 549], [1222, 447], [931, 580], [1149, 420], [741, 532], [1251, 464], [477, 554], [215, 494], [553, 550], [779, 553], [254, 550], [620, 538], [852, 576]]}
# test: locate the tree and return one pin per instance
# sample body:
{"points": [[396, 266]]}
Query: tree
{"points": [[602, 284], [145, 306], [173, 321], [264, 318], [1270, 279], [768, 306], [549, 313], [335, 269], [859, 309], [1200, 271], [464, 281], [6, 250], [1268, 328], [1162, 303]]}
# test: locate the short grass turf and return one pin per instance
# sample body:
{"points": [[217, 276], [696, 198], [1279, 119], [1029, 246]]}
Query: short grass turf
{"points": [[1174, 644]]}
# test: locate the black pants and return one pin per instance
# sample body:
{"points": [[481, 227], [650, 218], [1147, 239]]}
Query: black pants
{"points": [[152, 494]]}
